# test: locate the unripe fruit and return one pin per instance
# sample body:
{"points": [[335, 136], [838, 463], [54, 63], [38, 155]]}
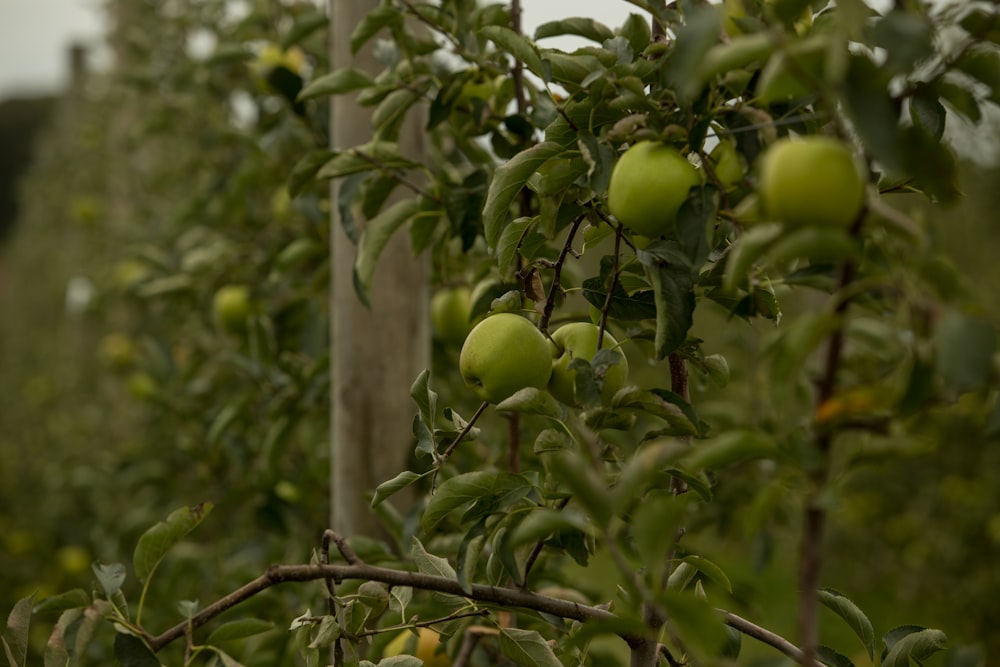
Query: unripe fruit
{"points": [[450, 314], [423, 646], [649, 183], [504, 354], [578, 340], [811, 181], [231, 308]]}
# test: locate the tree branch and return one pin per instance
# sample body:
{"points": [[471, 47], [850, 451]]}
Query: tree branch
{"points": [[814, 520]]}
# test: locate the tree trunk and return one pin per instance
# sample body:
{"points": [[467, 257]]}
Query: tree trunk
{"points": [[376, 353]]}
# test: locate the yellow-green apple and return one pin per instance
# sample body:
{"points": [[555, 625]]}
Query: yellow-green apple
{"points": [[450, 308], [648, 184], [504, 354], [810, 181], [578, 340]]}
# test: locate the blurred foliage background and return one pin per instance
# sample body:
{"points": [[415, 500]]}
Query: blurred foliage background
{"points": [[124, 396]]}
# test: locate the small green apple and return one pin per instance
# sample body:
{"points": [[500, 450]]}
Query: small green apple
{"points": [[424, 646], [231, 308], [117, 352], [578, 340], [503, 354], [728, 164], [810, 181], [450, 309], [649, 183]]}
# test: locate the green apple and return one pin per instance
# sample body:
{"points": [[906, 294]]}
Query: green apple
{"points": [[503, 354], [728, 164], [117, 351], [578, 340], [424, 646], [450, 309], [810, 181], [231, 308], [649, 183]]}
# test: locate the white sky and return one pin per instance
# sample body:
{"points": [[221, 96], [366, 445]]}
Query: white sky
{"points": [[35, 35]]}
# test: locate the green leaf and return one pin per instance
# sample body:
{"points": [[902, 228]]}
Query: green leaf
{"points": [[644, 468], [399, 661], [852, 615], [710, 570], [394, 485], [624, 307], [915, 645], [15, 635], [428, 563], [928, 113], [729, 449], [342, 80], [110, 577], [156, 541], [306, 168], [673, 293], [514, 44], [982, 63], [304, 25], [873, 112], [791, 350], [584, 27], [637, 31], [965, 346], [831, 658], [906, 37], [527, 648], [587, 487], [817, 244], [133, 652], [226, 659], [74, 599], [56, 653], [959, 98], [241, 629], [382, 156], [468, 488], [391, 111], [698, 624], [507, 183], [656, 523], [737, 53], [425, 398], [694, 39], [542, 523], [375, 238], [510, 241], [383, 16], [531, 401], [751, 246]]}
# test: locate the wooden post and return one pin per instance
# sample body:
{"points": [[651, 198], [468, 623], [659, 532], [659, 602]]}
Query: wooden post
{"points": [[376, 353]]}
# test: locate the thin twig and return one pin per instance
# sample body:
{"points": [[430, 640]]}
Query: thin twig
{"points": [[536, 552], [611, 288], [465, 431], [550, 301]]}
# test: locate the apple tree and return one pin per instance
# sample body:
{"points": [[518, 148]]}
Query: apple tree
{"points": [[727, 346]]}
